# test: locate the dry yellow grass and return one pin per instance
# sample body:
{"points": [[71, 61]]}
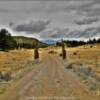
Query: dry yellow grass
{"points": [[14, 60], [85, 55], [48, 78], [84, 58]]}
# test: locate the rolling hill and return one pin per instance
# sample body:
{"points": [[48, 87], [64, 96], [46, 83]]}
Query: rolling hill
{"points": [[31, 41]]}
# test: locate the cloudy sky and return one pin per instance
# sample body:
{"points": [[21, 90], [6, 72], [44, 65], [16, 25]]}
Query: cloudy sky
{"points": [[51, 18]]}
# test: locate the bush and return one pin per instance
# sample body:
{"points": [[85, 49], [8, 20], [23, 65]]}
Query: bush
{"points": [[75, 53], [86, 71], [60, 54], [52, 52], [5, 77], [70, 66]]}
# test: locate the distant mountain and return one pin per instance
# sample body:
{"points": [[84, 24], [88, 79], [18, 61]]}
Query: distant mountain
{"points": [[49, 41]]}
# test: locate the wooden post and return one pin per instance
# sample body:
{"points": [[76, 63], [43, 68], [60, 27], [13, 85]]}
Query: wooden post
{"points": [[36, 53], [63, 51]]}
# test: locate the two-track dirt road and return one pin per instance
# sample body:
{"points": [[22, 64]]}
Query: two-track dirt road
{"points": [[48, 80]]}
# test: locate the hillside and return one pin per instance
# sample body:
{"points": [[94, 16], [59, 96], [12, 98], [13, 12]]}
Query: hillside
{"points": [[30, 41]]}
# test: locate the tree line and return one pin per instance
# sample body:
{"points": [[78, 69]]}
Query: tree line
{"points": [[75, 43], [8, 42]]}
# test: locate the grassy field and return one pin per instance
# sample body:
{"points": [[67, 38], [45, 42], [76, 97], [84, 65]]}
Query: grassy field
{"points": [[14, 60], [88, 55], [85, 62], [17, 61], [85, 55]]}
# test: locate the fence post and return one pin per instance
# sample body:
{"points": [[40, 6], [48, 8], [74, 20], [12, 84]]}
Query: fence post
{"points": [[63, 51]]}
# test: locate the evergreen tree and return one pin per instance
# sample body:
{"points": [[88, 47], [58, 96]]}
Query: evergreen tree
{"points": [[6, 40]]}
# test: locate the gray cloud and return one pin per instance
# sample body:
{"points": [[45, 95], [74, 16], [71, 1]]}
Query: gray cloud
{"points": [[88, 20], [91, 32], [74, 14], [86, 34], [54, 33], [90, 9], [31, 26]]}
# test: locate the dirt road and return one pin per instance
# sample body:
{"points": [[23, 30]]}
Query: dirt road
{"points": [[48, 80]]}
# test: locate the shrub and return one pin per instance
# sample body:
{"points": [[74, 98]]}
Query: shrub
{"points": [[70, 66], [52, 52], [75, 53], [5, 77], [60, 54]]}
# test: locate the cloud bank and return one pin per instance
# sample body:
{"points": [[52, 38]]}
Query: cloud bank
{"points": [[88, 20], [68, 18], [30, 26]]}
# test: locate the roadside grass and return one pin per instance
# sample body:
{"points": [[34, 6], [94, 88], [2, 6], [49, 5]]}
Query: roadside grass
{"points": [[15, 60], [85, 62], [15, 63], [3, 87]]}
